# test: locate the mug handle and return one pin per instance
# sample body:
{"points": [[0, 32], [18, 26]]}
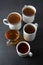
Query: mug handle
{"points": [[36, 24], [5, 21], [25, 5], [30, 54]]}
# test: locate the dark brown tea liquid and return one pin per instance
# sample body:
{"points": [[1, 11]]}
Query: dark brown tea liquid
{"points": [[29, 29], [28, 11], [14, 18], [12, 34], [23, 48]]}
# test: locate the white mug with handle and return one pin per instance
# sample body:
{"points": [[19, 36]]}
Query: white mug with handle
{"points": [[13, 26], [28, 18], [30, 36], [28, 53]]}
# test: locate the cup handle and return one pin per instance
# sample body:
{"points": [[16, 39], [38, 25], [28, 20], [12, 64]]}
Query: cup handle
{"points": [[5, 21], [36, 24], [25, 5], [30, 54]]}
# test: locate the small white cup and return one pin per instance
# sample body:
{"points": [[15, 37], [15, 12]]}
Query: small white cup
{"points": [[28, 19], [28, 53], [27, 36], [13, 26]]}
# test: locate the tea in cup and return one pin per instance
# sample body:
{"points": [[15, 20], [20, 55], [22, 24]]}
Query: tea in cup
{"points": [[29, 31], [12, 36], [13, 20], [28, 13], [23, 49]]}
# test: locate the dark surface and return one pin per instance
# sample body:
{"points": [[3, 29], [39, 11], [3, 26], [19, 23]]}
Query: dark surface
{"points": [[8, 55]]}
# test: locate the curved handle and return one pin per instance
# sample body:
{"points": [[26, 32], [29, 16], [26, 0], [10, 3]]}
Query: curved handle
{"points": [[5, 21], [30, 54], [25, 5], [36, 24]]}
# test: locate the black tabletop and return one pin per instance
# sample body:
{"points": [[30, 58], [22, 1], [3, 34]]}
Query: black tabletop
{"points": [[8, 55]]}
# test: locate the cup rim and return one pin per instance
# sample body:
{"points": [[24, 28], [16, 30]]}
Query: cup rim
{"points": [[16, 38], [29, 24], [29, 6], [14, 13], [21, 43]]}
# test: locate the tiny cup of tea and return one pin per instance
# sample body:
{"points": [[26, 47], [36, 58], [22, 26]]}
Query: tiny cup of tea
{"points": [[29, 31], [23, 49], [13, 20], [28, 13], [12, 36]]}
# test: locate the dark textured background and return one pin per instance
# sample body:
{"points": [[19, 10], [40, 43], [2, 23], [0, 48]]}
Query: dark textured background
{"points": [[8, 55]]}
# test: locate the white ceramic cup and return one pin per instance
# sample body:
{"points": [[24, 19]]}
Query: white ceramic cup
{"points": [[24, 54], [28, 19], [13, 26], [27, 36]]}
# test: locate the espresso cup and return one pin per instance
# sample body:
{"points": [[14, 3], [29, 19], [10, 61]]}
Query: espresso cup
{"points": [[13, 20], [23, 49], [28, 13], [29, 31]]}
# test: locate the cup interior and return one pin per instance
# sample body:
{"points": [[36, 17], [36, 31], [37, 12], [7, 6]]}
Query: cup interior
{"points": [[29, 6], [21, 48], [12, 35], [29, 28], [14, 18]]}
